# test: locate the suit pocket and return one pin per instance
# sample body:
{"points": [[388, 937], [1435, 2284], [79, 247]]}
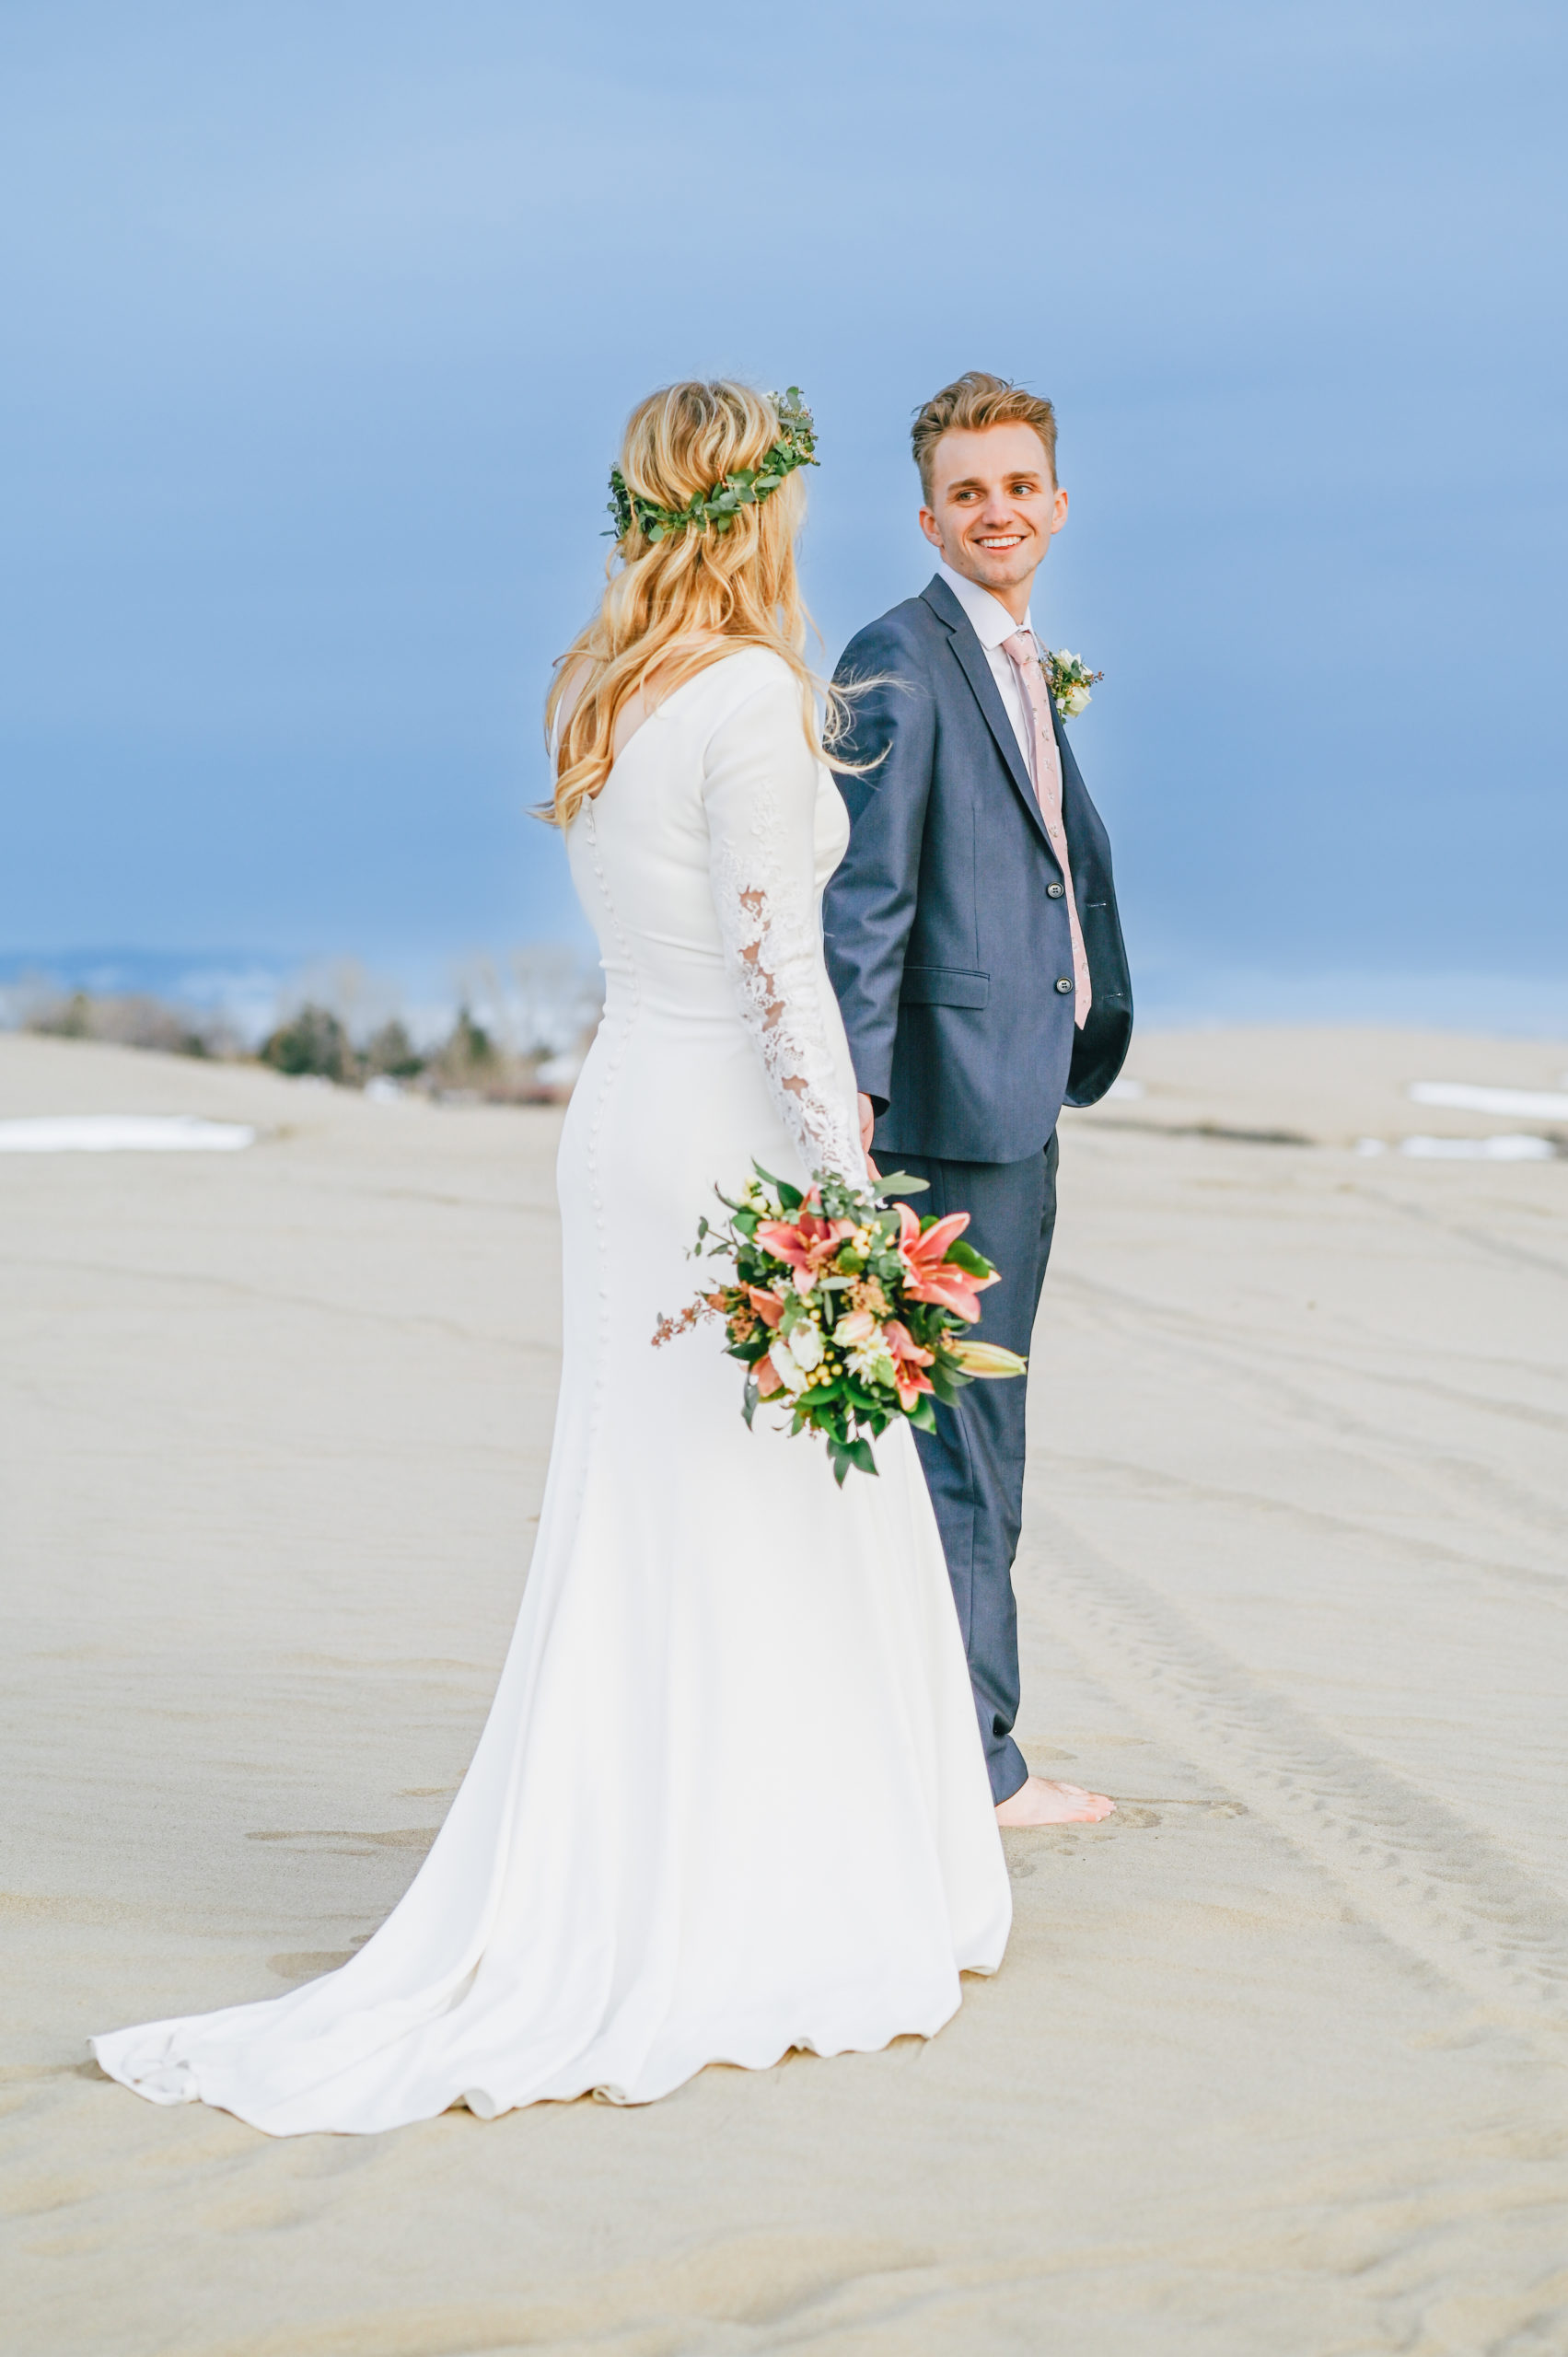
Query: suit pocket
{"points": [[945, 986]]}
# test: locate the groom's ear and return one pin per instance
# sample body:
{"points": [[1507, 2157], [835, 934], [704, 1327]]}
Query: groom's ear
{"points": [[929, 526]]}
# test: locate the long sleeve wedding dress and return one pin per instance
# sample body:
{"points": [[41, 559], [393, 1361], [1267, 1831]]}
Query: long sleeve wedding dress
{"points": [[731, 1797]]}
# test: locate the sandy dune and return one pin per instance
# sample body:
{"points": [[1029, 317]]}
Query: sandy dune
{"points": [[1276, 2067]]}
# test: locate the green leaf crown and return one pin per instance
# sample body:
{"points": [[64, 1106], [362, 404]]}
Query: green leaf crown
{"points": [[746, 487]]}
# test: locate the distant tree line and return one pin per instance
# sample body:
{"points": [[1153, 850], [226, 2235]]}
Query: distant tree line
{"points": [[314, 1042], [129, 1022]]}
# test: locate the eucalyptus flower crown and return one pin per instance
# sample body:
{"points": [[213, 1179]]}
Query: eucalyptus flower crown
{"points": [[746, 487]]}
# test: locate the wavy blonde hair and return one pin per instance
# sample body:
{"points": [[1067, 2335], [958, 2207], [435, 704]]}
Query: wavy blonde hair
{"points": [[665, 596]]}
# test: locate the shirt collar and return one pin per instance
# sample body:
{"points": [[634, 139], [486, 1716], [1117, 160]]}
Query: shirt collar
{"points": [[991, 622]]}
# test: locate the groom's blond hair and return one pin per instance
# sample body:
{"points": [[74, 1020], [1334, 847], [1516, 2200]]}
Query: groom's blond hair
{"points": [[968, 405]]}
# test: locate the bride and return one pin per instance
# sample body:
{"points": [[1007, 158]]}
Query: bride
{"points": [[731, 1797]]}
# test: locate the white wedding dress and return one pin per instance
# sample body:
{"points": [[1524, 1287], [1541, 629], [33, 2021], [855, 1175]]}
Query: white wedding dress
{"points": [[731, 1797]]}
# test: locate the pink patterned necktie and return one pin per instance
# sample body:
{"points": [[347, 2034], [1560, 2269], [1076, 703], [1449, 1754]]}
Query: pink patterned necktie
{"points": [[1024, 656]]}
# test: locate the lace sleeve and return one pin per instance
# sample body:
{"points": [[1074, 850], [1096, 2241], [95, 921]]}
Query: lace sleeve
{"points": [[760, 788]]}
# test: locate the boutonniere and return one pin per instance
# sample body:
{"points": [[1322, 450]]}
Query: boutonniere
{"points": [[1069, 681]]}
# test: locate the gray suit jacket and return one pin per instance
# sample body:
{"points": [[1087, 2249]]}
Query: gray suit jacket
{"points": [[947, 923]]}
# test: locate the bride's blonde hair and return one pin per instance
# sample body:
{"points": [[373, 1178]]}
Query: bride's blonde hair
{"points": [[738, 585]]}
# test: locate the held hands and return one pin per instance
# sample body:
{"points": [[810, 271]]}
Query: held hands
{"points": [[867, 1123]]}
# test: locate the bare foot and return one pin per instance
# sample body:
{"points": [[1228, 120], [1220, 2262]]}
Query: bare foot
{"points": [[1040, 1802]]}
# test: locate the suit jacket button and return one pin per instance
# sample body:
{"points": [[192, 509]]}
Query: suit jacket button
{"points": [[1063, 983], [1056, 891]]}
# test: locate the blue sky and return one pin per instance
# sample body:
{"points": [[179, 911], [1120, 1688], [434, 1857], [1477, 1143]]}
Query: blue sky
{"points": [[325, 317]]}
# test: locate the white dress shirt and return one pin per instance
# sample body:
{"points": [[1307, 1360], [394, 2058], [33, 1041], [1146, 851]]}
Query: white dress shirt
{"points": [[993, 623]]}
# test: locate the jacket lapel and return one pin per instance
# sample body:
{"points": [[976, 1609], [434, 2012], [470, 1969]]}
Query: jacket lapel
{"points": [[1078, 811], [976, 670]]}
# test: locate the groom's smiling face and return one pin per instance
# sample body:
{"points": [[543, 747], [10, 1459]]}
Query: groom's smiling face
{"points": [[994, 507]]}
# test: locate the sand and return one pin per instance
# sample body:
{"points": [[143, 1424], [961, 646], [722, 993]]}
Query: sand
{"points": [[1276, 2061]]}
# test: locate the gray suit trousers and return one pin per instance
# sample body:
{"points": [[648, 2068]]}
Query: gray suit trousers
{"points": [[975, 1461]]}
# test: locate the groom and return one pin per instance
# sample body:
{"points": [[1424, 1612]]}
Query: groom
{"points": [[974, 944]]}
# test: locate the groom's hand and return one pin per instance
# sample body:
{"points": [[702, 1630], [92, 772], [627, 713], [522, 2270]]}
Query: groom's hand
{"points": [[867, 1123]]}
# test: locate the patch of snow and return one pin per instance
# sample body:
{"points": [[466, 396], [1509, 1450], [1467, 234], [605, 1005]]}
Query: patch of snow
{"points": [[1507, 1148], [1533, 1104], [123, 1133]]}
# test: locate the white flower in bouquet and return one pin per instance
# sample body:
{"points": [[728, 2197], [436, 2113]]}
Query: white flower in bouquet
{"points": [[869, 1365], [803, 1347]]}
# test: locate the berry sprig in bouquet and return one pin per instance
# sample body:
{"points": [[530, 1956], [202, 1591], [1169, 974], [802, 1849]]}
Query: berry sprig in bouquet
{"points": [[847, 1311]]}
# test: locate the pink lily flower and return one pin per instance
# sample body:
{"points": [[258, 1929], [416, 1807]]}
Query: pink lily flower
{"points": [[768, 1306], [930, 1277], [808, 1242], [909, 1360], [767, 1377]]}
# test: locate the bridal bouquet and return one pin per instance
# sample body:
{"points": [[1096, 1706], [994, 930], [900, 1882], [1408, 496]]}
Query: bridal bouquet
{"points": [[845, 1311]]}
